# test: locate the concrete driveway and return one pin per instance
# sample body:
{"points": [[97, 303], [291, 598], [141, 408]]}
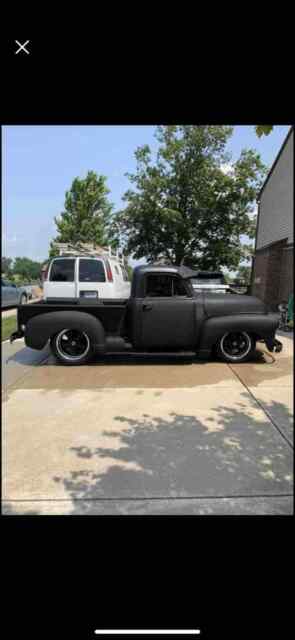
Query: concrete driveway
{"points": [[148, 437]]}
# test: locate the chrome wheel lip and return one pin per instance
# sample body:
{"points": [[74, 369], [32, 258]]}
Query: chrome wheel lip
{"points": [[242, 355], [67, 356]]}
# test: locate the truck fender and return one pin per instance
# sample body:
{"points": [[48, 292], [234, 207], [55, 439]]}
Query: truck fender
{"points": [[262, 326], [43, 327]]}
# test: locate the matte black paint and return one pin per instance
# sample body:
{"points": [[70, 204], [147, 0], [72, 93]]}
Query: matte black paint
{"points": [[142, 323]]}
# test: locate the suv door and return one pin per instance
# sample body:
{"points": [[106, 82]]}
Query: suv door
{"points": [[167, 313], [61, 280], [91, 277]]}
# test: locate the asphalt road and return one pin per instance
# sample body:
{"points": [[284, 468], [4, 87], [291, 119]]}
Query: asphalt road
{"points": [[136, 437]]}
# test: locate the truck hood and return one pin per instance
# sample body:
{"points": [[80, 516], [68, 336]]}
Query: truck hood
{"points": [[217, 305]]}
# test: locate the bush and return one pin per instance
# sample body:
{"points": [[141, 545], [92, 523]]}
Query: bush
{"points": [[18, 279]]}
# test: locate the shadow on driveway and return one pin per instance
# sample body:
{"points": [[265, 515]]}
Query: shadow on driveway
{"points": [[182, 457]]}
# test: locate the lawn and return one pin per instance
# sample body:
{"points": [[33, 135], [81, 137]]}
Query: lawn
{"points": [[8, 326]]}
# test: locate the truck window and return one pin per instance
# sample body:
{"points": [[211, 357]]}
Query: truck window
{"points": [[179, 288], [62, 270], [164, 286], [91, 271]]}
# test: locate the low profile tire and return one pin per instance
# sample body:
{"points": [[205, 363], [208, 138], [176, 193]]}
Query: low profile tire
{"points": [[72, 347], [23, 299], [236, 347]]}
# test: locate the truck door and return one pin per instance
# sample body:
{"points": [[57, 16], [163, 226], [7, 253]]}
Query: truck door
{"points": [[167, 313]]}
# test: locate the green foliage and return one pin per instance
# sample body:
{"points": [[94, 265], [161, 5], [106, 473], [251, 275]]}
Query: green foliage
{"points": [[186, 207], [244, 274], [263, 129], [26, 270], [19, 280], [86, 212], [6, 265], [8, 325]]}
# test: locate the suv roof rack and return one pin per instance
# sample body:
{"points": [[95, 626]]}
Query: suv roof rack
{"points": [[88, 249]]}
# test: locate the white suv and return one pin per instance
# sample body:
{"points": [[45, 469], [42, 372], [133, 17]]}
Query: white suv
{"points": [[85, 277]]}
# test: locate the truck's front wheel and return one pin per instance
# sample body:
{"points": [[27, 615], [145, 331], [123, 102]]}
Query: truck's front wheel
{"points": [[72, 347], [236, 346]]}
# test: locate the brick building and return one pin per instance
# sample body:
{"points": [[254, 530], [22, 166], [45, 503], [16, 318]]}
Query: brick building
{"points": [[273, 272]]}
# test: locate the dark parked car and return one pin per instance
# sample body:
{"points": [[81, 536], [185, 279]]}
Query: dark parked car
{"points": [[163, 314]]}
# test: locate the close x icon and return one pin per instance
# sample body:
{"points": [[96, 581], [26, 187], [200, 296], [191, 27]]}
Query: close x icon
{"points": [[22, 48]]}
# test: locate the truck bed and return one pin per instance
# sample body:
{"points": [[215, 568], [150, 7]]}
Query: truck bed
{"points": [[110, 311]]}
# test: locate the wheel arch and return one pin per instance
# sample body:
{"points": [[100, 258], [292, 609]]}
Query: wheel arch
{"points": [[40, 329], [258, 326]]}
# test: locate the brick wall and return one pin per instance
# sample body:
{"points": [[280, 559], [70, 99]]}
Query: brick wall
{"points": [[287, 273], [273, 278]]}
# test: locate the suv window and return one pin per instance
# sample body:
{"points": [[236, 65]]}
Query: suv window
{"points": [[62, 270], [164, 286], [91, 271]]}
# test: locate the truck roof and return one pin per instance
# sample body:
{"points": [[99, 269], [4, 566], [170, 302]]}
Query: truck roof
{"points": [[184, 272]]}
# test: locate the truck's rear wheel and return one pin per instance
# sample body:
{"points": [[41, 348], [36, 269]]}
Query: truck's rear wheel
{"points": [[72, 346], [236, 346]]}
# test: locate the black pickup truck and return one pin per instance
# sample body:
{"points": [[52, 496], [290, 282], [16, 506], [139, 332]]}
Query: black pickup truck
{"points": [[162, 315]]}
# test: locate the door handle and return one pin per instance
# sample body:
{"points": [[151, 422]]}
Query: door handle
{"points": [[147, 307]]}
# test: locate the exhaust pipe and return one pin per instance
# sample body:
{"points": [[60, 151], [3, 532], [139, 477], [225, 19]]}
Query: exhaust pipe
{"points": [[274, 345]]}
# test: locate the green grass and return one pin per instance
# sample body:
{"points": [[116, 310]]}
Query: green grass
{"points": [[8, 326]]}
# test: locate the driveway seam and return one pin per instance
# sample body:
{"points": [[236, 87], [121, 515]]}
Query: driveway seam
{"points": [[263, 409], [229, 497]]}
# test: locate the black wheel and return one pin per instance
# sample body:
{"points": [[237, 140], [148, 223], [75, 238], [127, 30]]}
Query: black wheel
{"points": [[236, 346], [23, 299], [72, 347]]}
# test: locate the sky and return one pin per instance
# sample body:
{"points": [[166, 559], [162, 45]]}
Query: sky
{"points": [[39, 164]]}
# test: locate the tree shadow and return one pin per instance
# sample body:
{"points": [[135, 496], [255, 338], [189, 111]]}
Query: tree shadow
{"points": [[183, 456]]}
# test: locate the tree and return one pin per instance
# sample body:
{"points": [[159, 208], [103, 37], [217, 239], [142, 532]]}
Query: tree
{"points": [[86, 212], [244, 274], [189, 206], [27, 269], [6, 265], [263, 129]]}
